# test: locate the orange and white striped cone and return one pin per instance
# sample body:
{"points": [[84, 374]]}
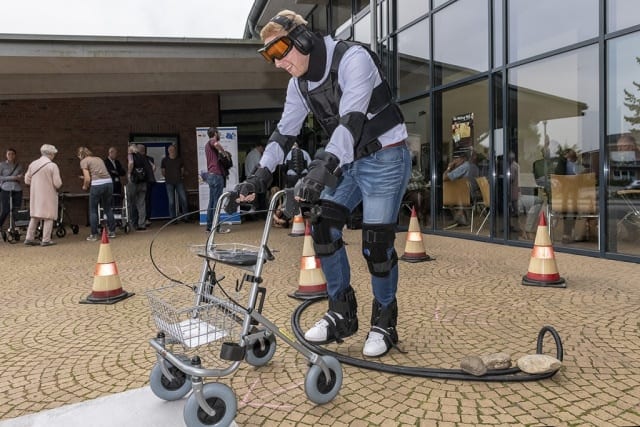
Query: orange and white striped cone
{"points": [[414, 248], [107, 288], [312, 283], [543, 270], [297, 228]]}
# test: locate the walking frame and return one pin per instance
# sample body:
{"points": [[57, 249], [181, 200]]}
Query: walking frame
{"points": [[214, 320], [18, 219]]}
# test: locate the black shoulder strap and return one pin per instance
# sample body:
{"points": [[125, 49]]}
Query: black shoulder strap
{"points": [[381, 94]]}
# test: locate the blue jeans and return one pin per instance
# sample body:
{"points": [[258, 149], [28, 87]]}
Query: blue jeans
{"points": [[103, 195], [216, 185], [182, 198], [378, 181]]}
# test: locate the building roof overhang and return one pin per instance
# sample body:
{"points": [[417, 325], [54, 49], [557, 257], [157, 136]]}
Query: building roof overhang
{"points": [[70, 66]]}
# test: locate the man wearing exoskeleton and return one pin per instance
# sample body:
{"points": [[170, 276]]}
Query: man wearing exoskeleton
{"points": [[366, 160]]}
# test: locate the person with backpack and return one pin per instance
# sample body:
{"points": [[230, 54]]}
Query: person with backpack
{"points": [[136, 187], [150, 165], [297, 162], [216, 173], [366, 159]]}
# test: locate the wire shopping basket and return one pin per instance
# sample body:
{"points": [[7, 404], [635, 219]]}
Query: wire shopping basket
{"points": [[190, 315]]}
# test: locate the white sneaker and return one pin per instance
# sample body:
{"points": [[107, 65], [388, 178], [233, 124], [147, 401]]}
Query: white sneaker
{"points": [[320, 331], [375, 345]]}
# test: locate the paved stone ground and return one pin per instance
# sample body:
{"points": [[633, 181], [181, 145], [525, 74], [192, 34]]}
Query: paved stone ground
{"points": [[469, 300]]}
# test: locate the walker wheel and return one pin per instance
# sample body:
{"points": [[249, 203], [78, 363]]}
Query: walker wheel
{"points": [[169, 389], [260, 352], [61, 232], [220, 398], [318, 389], [75, 229], [127, 228]]}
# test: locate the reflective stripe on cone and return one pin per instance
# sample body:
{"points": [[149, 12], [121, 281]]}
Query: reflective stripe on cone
{"points": [[311, 282], [414, 248], [107, 288], [543, 270]]}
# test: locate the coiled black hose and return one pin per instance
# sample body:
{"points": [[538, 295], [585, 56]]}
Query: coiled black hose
{"points": [[502, 375]]}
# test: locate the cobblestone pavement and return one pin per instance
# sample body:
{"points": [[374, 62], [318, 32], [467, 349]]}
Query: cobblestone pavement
{"points": [[469, 300]]}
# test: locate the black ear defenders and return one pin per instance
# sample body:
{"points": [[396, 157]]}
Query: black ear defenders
{"points": [[300, 35]]}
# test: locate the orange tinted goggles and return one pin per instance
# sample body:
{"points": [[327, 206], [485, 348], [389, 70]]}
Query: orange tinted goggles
{"points": [[276, 49]]}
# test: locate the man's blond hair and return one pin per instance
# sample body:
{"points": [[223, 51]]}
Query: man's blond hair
{"points": [[275, 29]]}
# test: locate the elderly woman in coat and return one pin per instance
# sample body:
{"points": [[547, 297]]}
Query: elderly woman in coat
{"points": [[44, 178]]}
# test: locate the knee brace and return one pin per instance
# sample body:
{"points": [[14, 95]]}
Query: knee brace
{"points": [[378, 249], [332, 216]]}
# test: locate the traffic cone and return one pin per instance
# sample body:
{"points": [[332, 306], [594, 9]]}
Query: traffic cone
{"points": [[312, 283], [297, 228], [107, 288], [414, 248], [543, 270]]}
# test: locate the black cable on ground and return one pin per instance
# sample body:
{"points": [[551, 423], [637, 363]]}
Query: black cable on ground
{"points": [[503, 375]]}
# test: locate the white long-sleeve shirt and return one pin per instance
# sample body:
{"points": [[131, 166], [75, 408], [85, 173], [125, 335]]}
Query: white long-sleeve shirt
{"points": [[357, 77]]}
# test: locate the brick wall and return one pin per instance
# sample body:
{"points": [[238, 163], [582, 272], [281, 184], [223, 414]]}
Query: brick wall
{"points": [[99, 123]]}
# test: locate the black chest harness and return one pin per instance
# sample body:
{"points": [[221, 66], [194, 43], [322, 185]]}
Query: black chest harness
{"points": [[324, 102]]}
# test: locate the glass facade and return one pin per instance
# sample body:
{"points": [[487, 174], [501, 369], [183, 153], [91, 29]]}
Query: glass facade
{"points": [[540, 26], [408, 10], [621, 144], [413, 59], [553, 118], [460, 40], [540, 101]]}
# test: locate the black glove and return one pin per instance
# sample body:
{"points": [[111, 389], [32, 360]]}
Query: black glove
{"points": [[258, 182], [323, 170], [290, 207]]}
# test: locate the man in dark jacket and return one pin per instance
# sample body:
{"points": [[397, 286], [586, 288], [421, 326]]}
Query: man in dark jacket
{"points": [[115, 170]]}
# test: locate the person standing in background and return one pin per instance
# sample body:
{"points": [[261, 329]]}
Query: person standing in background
{"points": [[115, 169], [253, 159], [136, 189], [150, 165], [297, 161], [43, 177], [215, 175], [172, 167], [10, 189], [97, 180]]}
